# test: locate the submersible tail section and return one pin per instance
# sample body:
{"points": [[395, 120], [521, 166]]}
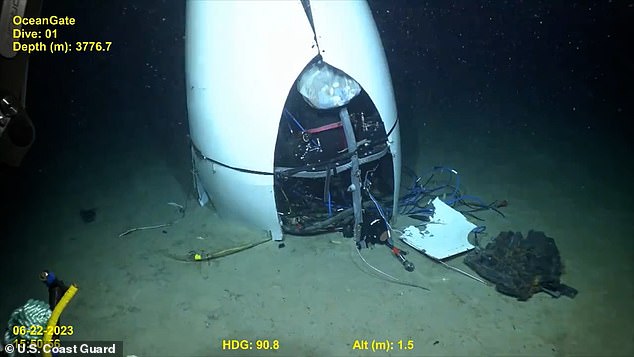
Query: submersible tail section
{"points": [[288, 118]]}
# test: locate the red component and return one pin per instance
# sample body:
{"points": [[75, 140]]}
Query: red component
{"points": [[325, 127]]}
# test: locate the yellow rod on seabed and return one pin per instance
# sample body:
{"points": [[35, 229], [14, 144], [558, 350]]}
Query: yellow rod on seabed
{"points": [[52, 321], [202, 257]]}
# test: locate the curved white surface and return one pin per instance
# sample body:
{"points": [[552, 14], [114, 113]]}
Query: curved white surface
{"points": [[242, 58], [349, 40]]}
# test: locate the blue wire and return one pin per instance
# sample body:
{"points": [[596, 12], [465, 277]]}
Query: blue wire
{"points": [[295, 120], [479, 229], [300, 126], [378, 207]]}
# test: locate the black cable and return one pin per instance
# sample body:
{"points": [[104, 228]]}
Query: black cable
{"points": [[327, 187], [248, 171]]}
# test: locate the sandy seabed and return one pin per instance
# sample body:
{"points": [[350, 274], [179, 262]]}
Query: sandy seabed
{"points": [[315, 296]]}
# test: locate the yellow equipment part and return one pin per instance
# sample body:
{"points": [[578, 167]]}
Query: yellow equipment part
{"points": [[52, 321]]}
